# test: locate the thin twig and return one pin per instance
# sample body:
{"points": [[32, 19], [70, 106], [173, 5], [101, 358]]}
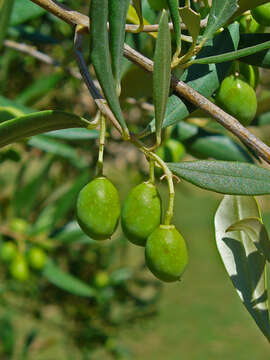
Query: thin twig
{"points": [[32, 51], [182, 89]]}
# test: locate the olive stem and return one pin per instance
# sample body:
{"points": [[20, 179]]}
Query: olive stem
{"points": [[102, 121], [152, 171]]}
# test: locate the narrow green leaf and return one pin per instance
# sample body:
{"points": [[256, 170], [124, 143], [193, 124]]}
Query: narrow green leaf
{"points": [[257, 233], [192, 21], [207, 82], [25, 10], [66, 281], [68, 201], [5, 102], [37, 123], [72, 233], [26, 196], [161, 73], [243, 262], [261, 58], [206, 145], [233, 55], [100, 57], [8, 113], [221, 11], [117, 19], [6, 7], [39, 88], [224, 177], [173, 8], [53, 146], [138, 7], [74, 134]]}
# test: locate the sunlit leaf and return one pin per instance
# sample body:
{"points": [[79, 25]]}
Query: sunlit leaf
{"points": [[243, 262]]}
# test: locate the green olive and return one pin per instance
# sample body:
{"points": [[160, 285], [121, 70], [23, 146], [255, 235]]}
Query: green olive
{"points": [[101, 279], [8, 251], [19, 268], [141, 213], [172, 151], [37, 258], [158, 5], [249, 25], [262, 14], [237, 98], [166, 253], [18, 225], [98, 208]]}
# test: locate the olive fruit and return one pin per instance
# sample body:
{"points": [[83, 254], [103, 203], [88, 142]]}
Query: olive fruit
{"points": [[101, 279], [141, 213], [98, 208], [262, 14], [37, 258], [8, 251], [19, 268], [166, 253], [249, 25], [158, 4], [18, 225], [237, 98], [172, 151]]}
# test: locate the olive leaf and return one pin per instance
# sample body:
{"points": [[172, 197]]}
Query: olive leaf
{"points": [[161, 72], [245, 265], [226, 177], [261, 58], [173, 8], [255, 229], [138, 7], [204, 144], [36, 123], [233, 55], [220, 12], [117, 19], [6, 7], [56, 147], [99, 49], [39, 88], [66, 281], [192, 21]]}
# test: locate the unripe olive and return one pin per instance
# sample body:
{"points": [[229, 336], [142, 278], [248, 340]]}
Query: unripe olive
{"points": [[18, 225], [98, 208], [19, 268], [166, 253], [37, 258], [141, 213], [158, 4], [262, 14], [101, 279], [237, 98], [8, 251], [172, 151], [249, 25]]}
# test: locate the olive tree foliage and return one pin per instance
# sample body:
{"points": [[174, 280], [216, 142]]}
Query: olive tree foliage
{"points": [[194, 48]]}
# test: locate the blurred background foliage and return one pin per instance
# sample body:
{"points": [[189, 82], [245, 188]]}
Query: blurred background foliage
{"points": [[96, 300]]}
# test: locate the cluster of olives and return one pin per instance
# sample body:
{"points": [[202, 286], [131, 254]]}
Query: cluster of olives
{"points": [[98, 213], [19, 263]]}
